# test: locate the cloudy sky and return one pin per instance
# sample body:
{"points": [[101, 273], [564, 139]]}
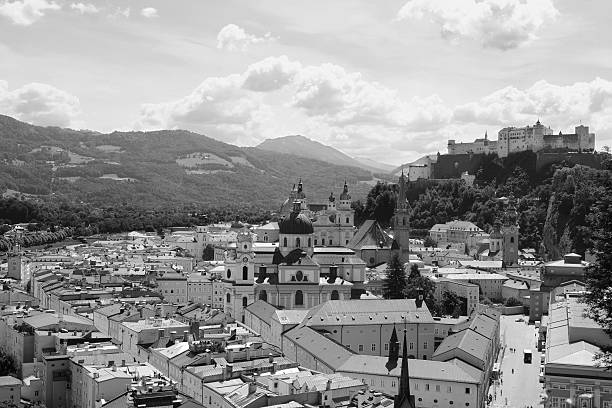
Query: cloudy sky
{"points": [[389, 80]]}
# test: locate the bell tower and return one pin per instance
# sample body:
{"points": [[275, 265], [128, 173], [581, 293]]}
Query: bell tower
{"points": [[239, 278], [401, 221], [510, 233]]}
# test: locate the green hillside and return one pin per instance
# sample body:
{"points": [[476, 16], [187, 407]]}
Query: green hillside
{"points": [[157, 169]]}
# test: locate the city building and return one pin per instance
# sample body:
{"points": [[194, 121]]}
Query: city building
{"points": [[572, 375], [10, 390], [478, 146]]}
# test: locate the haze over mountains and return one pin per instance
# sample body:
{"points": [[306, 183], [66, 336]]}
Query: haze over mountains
{"points": [[305, 147], [163, 168]]}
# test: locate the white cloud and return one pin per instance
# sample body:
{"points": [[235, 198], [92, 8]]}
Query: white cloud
{"points": [[270, 74], [85, 8], [40, 104], [234, 38], [26, 12], [119, 12], [501, 24], [277, 96], [561, 107], [149, 12]]}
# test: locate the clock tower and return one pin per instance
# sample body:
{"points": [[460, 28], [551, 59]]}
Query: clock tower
{"points": [[239, 277]]}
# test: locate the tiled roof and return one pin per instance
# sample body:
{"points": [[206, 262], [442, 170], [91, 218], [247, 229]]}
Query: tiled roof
{"points": [[422, 369], [371, 311], [319, 345]]}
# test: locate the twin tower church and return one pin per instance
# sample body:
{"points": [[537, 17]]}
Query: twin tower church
{"points": [[309, 264]]}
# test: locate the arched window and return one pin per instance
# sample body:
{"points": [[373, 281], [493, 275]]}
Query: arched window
{"points": [[299, 298], [285, 241], [245, 273], [512, 240], [263, 295], [347, 220], [322, 241], [297, 242], [228, 298], [335, 295], [309, 243], [245, 300], [229, 273]]}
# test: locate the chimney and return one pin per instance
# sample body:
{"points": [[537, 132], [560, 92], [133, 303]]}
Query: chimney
{"points": [[248, 352], [270, 358], [329, 384], [160, 333], [229, 356], [252, 387], [122, 363], [333, 274], [185, 335], [96, 375], [114, 368], [274, 367], [228, 371]]}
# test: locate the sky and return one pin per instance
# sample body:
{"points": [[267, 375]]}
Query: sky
{"points": [[386, 80]]}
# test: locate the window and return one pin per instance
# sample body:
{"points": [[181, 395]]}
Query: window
{"points": [[426, 387], [36, 393], [411, 346], [386, 346], [467, 390], [451, 402], [299, 298], [435, 401], [309, 243], [607, 404], [393, 384], [330, 242], [347, 220], [299, 276], [437, 388], [512, 240], [373, 347], [449, 389], [335, 295], [245, 273], [316, 242], [263, 295], [361, 347], [322, 241], [425, 345], [297, 242], [228, 298], [229, 274], [245, 300], [285, 241]]}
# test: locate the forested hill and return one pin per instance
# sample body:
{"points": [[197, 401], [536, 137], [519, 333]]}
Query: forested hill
{"points": [[554, 208], [157, 169]]}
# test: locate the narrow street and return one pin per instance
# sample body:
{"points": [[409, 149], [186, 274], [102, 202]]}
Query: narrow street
{"points": [[520, 388]]}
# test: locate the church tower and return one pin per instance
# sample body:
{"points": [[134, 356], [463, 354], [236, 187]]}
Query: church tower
{"points": [[401, 221], [510, 233], [239, 277], [14, 255]]}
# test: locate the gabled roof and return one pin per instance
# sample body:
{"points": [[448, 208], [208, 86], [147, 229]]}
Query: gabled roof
{"points": [[370, 233], [262, 309], [318, 345]]}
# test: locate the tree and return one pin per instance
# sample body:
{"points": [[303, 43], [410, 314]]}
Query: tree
{"points": [[451, 304], [598, 277], [421, 283], [7, 364], [394, 284], [429, 242], [209, 253], [414, 272], [512, 301]]}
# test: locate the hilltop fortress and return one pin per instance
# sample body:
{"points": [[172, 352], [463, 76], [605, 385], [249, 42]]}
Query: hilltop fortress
{"points": [[529, 138]]}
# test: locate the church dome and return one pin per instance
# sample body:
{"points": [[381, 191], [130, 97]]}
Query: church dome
{"points": [[296, 223]]}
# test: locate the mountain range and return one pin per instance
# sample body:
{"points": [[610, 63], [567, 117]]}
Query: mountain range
{"points": [[302, 146], [167, 168]]}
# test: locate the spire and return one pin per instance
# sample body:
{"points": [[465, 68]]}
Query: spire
{"points": [[393, 351], [401, 196], [486, 135], [403, 399]]}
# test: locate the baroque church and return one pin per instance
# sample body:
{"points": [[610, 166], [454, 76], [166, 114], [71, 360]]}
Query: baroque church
{"points": [[503, 241], [308, 266]]}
